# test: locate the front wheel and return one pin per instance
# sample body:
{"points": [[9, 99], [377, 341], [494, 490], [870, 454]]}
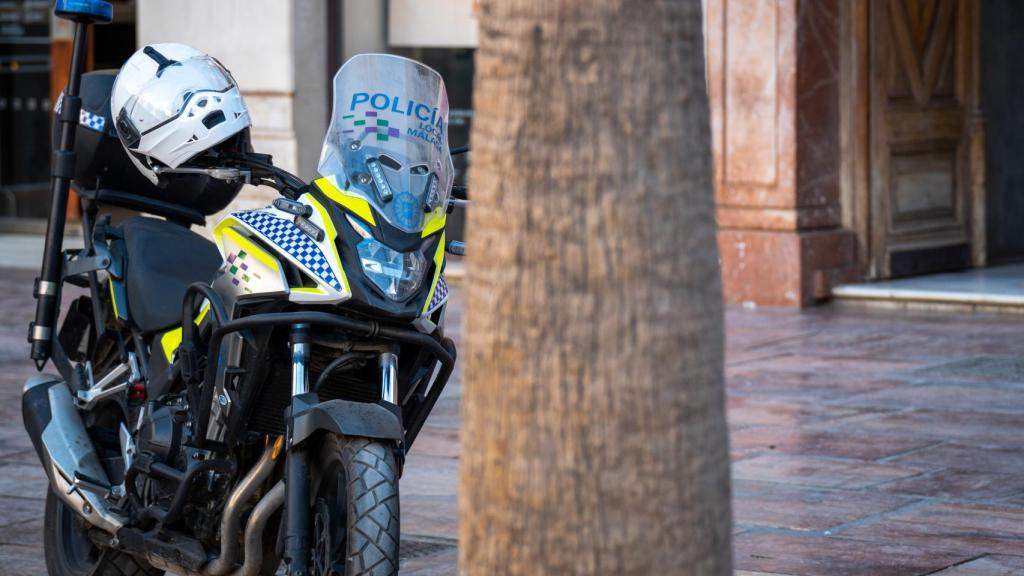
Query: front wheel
{"points": [[355, 511]]}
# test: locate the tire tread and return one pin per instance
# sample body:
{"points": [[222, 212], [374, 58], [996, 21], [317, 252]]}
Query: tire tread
{"points": [[372, 547]]}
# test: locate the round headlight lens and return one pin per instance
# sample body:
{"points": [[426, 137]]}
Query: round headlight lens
{"points": [[397, 274]]}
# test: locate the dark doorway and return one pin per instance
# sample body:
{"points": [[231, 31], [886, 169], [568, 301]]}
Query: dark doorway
{"points": [[24, 109], [1002, 101]]}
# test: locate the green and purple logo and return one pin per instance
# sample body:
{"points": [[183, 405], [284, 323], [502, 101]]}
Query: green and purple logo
{"points": [[239, 269], [371, 124]]}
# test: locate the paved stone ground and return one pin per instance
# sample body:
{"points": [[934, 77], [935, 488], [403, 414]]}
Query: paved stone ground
{"points": [[863, 443]]}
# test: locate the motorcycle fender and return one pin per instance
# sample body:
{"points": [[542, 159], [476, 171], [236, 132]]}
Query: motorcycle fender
{"points": [[369, 420]]}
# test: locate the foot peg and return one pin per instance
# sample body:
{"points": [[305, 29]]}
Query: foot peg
{"points": [[97, 487]]}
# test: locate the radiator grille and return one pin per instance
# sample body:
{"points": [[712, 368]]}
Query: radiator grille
{"points": [[355, 384]]}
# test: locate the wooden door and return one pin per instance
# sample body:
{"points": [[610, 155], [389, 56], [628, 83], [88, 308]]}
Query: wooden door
{"points": [[923, 124]]}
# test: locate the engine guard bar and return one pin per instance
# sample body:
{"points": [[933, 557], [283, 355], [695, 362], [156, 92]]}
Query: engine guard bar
{"points": [[443, 351]]}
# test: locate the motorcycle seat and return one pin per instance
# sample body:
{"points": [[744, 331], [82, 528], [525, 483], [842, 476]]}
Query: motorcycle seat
{"points": [[161, 260]]}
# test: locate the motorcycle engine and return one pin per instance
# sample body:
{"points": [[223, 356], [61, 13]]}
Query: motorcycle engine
{"points": [[164, 429], [164, 437]]}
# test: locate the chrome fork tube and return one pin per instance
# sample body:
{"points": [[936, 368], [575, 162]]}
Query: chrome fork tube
{"points": [[388, 376], [300, 358]]}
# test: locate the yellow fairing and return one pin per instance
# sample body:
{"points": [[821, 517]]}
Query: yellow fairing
{"points": [[249, 246], [355, 204], [438, 262], [434, 221], [113, 299], [351, 202], [172, 339], [218, 230], [304, 290]]}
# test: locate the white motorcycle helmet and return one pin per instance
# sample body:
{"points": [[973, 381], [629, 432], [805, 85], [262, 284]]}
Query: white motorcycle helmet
{"points": [[171, 102]]}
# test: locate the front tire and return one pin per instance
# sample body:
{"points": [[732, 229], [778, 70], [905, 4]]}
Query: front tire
{"points": [[355, 511], [70, 552]]}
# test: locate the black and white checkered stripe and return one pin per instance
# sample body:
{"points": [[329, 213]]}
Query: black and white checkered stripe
{"points": [[440, 296], [287, 236]]}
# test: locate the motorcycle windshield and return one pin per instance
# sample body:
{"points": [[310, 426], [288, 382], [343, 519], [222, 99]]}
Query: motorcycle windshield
{"points": [[388, 139]]}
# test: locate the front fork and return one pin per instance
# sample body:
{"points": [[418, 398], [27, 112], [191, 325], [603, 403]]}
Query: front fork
{"points": [[297, 485], [296, 540]]}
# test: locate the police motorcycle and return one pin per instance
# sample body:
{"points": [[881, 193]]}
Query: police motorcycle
{"points": [[219, 408]]}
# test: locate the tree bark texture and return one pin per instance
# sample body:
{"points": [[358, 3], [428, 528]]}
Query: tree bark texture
{"points": [[594, 437]]}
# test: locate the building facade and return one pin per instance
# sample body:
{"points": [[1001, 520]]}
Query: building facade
{"points": [[853, 139]]}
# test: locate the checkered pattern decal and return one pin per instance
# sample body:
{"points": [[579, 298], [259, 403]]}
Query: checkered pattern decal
{"points": [[85, 118], [90, 120], [440, 296], [287, 236]]}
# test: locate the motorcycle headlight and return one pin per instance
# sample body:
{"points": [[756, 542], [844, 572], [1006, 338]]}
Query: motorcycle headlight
{"points": [[397, 274]]}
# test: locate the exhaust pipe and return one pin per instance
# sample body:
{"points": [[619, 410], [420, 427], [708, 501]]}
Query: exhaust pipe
{"points": [[230, 524], [254, 530], [65, 449]]}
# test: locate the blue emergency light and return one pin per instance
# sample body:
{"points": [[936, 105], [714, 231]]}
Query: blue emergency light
{"points": [[84, 11]]}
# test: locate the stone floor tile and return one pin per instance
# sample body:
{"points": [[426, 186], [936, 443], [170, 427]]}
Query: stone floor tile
{"points": [[804, 362], [994, 565], [1017, 500], [976, 428], [27, 533], [800, 508], [441, 564], [803, 386], [1006, 460], [787, 554], [963, 528], [14, 441], [425, 475], [19, 510], [21, 561], [745, 412], [943, 397], [437, 441], [23, 481], [21, 457], [819, 472], [833, 444], [432, 516], [978, 369], [974, 484]]}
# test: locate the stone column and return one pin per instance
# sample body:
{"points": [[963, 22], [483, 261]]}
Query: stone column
{"points": [[773, 81]]}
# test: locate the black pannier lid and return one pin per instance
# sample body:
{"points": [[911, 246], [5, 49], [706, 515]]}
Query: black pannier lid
{"points": [[102, 163]]}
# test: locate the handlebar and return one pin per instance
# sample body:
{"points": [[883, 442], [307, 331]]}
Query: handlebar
{"points": [[259, 170]]}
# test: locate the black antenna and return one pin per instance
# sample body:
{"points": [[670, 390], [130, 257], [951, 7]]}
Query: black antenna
{"points": [[41, 331], [162, 61]]}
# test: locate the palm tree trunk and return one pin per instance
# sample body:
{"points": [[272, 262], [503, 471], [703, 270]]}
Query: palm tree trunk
{"points": [[594, 437]]}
